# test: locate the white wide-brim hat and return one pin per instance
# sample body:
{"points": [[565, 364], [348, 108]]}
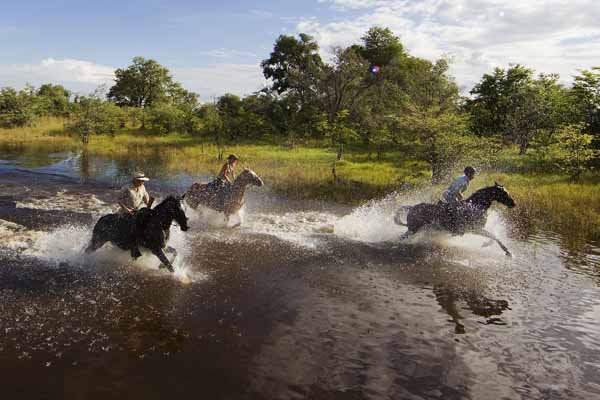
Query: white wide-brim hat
{"points": [[140, 176]]}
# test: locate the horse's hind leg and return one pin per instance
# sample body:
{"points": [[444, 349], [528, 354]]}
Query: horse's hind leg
{"points": [[94, 245]]}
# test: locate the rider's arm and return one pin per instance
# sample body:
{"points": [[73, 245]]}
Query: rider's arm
{"points": [[148, 200], [223, 174], [123, 197], [124, 207]]}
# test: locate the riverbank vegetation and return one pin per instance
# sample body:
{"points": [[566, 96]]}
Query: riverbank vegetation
{"points": [[372, 120]]}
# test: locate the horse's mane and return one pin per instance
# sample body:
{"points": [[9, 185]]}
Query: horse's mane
{"points": [[483, 195], [167, 200]]}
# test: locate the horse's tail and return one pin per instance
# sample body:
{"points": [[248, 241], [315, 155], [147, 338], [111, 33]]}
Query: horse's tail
{"points": [[397, 218]]}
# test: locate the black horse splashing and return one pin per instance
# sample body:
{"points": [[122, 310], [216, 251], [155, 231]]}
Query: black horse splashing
{"points": [[153, 232], [471, 216]]}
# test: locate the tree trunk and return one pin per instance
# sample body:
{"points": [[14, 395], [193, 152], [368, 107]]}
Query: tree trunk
{"points": [[340, 152], [523, 145]]}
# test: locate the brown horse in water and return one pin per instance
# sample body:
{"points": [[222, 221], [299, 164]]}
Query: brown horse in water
{"points": [[228, 200], [469, 216]]}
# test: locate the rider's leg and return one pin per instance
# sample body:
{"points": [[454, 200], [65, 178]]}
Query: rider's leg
{"points": [[136, 234]]}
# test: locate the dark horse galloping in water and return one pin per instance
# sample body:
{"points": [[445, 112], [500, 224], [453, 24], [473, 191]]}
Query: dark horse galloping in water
{"points": [[155, 225], [467, 217]]}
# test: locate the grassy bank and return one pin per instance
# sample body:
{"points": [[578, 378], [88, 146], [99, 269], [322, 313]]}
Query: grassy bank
{"points": [[545, 200]]}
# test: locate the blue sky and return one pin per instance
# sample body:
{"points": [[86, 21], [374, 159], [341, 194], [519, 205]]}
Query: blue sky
{"points": [[216, 47]]}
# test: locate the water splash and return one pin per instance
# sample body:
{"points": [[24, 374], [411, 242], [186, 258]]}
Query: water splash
{"points": [[66, 245], [302, 228], [372, 222], [84, 203]]}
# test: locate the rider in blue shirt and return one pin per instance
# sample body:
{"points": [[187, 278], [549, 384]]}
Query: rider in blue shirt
{"points": [[453, 198], [454, 193]]}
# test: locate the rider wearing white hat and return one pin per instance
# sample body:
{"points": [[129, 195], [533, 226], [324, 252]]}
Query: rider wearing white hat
{"points": [[134, 197]]}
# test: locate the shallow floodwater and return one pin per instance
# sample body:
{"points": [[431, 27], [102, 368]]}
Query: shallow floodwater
{"points": [[304, 300]]}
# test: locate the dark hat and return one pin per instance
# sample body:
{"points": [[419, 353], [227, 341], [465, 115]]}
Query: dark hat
{"points": [[469, 171], [232, 157]]}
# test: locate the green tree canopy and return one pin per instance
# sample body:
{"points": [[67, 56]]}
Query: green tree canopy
{"points": [[586, 91], [291, 55], [142, 84], [380, 46]]}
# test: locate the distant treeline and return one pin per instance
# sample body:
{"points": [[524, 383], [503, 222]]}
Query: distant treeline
{"points": [[373, 94]]}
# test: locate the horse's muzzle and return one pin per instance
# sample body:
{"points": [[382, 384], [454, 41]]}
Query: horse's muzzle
{"points": [[185, 227]]}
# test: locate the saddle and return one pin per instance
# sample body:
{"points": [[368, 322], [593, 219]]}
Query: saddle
{"points": [[454, 216], [212, 194]]}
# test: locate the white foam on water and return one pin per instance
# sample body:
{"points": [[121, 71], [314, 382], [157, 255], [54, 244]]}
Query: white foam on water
{"points": [[67, 244], [70, 202], [372, 222], [16, 237], [302, 228], [204, 217]]}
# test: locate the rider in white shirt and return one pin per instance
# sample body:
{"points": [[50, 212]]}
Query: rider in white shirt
{"points": [[132, 199]]}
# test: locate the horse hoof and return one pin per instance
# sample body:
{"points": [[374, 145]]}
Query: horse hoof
{"points": [[169, 267], [508, 254]]}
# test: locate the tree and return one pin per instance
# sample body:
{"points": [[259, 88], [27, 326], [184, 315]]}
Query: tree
{"points": [[515, 106], [291, 55], [343, 84], [15, 108], [165, 118], [212, 125], [142, 84], [586, 91], [338, 130], [572, 150], [381, 46], [55, 99], [439, 138], [94, 116]]}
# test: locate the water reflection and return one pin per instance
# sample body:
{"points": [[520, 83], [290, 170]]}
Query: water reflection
{"points": [[343, 318], [452, 300]]}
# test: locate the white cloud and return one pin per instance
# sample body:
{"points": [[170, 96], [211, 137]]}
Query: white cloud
{"points": [[217, 79], [549, 35], [85, 76], [78, 75], [227, 53]]}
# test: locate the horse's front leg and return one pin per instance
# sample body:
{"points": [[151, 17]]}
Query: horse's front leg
{"points": [[491, 236], [163, 258]]}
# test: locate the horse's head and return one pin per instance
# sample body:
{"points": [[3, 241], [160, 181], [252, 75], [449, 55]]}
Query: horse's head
{"points": [[501, 195], [249, 177], [174, 207]]}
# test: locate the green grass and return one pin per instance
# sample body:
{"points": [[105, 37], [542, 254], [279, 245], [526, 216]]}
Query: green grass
{"points": [[546, 200]]}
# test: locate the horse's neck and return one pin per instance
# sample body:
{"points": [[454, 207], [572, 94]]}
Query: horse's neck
{"points": [[164, 217], [480, 200], [239, 188]]}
